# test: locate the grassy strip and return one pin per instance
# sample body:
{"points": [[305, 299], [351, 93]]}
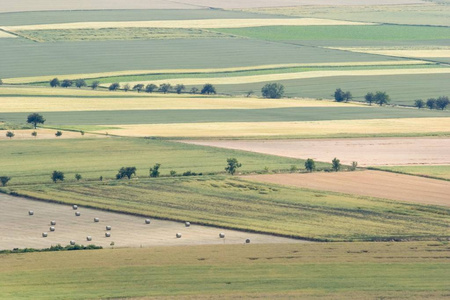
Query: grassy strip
{"points": [[51, 249], [244, 205], [434, 172], [306, 271]]}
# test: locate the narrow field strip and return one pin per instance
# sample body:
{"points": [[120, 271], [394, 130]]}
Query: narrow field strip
{"points": [[425, 53], [20, 80], [44, 134], [207, 23], [388, 185], [31, 104], [291, 76], [407, 126], [4, 34]]}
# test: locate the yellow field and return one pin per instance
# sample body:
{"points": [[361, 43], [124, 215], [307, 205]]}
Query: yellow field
{"points": [[208, 23], [29, 104], [6, 35], [430, 53], [290, 76], [297, 129]]}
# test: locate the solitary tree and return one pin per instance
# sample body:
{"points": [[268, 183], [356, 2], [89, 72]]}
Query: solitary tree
{"points": [[310, 165], [149, 88], [35, 119], [382, 98], [4, 180], [336, 164], [179, 88], [208, 89], [57, 175], [126, 172], [339, 95], [154, 172], [194, 90], [442, 102], [78, 177], [114, 86], [95, 84], [431, 103], [172, 173], [273, 91], [347, 96], [79, 83], [66, 83], [419, 103], [165, 87], [10, 134], [138, 87], [370, 97], [55, 82], [126, 87], [232, 165], [58, 133]]}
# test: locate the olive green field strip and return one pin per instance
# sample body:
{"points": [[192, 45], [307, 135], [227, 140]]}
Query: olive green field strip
{"points": [[26, 58], [413, 270], [174, 116], [234, 203]]}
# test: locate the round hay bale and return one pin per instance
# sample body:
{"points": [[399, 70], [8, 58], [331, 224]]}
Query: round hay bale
{"points": [[247, 241], [96, 220], [221, 235], [89, 238], [187, 224], [178, 235], [52, 222], [147, 221], [77, 213], [52, 228], [44, 234], [30, 212], [72, 242], [108, 227], [107, 234], [75, 207]]}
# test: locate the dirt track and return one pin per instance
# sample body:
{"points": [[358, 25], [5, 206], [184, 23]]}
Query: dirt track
{"points": [[18, 229], [369, 183], [365, 151]]}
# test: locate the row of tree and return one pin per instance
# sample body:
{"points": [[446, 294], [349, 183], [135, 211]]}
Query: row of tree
{"points": [[11, 134], [208, 89], [432, 103], [378, 97]]}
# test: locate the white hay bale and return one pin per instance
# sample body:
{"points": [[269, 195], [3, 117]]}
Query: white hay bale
{"points": [[221, 235], [30, 212], [52, 222], [96, 220], [77, 213], [147, 221], [52, 228], [72, 242], [44, 234], [75, 207], [178, 235], [89, 238], [108, 227], [107, 234], [187, 224], [247, 241]]}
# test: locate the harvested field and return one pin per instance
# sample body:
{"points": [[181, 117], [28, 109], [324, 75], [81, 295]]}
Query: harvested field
{"points": [[369, 183], [365, 151], [43, 134], [31, 104], [414, 53], [201, 24], [312, 129], [4, 34], [127, 230], [299, 75]]}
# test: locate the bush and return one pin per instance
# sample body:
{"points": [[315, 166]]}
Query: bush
{"points": [[310, 165], [57, 175], [208, 89], [273, 91], [126, 172], [114, 87], [154, 172], [4, 180], [336, 164]]}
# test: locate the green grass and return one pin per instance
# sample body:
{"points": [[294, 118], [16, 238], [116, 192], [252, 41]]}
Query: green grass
{"points": [[306, 271], [351, 32], [29, 161], [426, 171], [81, 118], [239, 204]]}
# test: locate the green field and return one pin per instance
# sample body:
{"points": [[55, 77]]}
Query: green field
{"points": [[239, 204], [172, 116], [427, 171], [306, 271]]}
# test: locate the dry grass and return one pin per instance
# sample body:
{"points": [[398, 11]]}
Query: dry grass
{"points": [[29, 104], [206, 23], [422, 53], [19, 80], [298, 75], [405, 126]]}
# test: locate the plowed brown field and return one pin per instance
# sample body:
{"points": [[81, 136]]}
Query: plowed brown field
{"points": [[369, 183]]}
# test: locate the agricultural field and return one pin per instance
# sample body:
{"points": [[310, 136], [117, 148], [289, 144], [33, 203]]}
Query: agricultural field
{"points": [[441, 172]]}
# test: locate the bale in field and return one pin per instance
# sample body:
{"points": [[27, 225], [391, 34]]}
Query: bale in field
{"points": [[178, 235], [89, 238], [30, 212], [52, 222], [77, 214], [44, 234], [72, 242], [96, 220], [147, 221], [187, 224], [247, 241], [221, 235], [75, 207], [107, 234], [108, 227], [52, 228]]}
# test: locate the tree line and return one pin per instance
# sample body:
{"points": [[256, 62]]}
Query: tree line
{"points": [[432, 103], [377, 97]]}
